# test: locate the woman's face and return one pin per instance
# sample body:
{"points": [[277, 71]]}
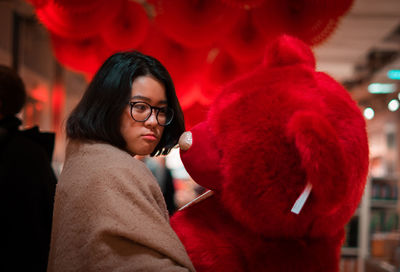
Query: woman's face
{"points": [[143, 137]]}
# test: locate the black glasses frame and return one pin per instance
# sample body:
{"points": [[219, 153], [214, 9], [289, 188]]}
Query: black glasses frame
{"points": [[156, 109]]}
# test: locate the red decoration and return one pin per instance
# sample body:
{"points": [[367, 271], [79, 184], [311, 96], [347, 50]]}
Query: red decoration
{"points": [[194, 23], [204, 44], [245, 41], [315, 34], [78, 25], [38, 3], [128, 29], [223, 69], [244, 4], [80, 5], [195, 114], [270, 18], [84, 55], [181, 62], [329, 8], [314, 21]]}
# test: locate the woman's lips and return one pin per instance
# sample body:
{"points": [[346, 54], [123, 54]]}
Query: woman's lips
{"points": [[150, 137]]}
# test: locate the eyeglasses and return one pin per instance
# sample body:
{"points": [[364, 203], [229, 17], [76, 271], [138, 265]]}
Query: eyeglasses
{"points": [[141, 112]]}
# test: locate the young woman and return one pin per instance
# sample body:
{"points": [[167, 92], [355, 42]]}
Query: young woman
{"points": [[109, 212]]}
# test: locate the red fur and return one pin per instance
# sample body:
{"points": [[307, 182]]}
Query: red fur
{"points": [[274, 130], [209, 159]]}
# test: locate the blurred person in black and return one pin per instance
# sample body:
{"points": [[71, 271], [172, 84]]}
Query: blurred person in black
{"points": [[27, 183], [164, 178]]}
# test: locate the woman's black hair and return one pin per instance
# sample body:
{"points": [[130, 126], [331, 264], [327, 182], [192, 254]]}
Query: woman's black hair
{"points": [[98, 115]]}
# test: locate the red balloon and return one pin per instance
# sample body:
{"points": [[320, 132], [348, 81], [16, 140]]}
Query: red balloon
{"points": [[128, 29], [270, 18], [38, 3], [194, 114], [194, 23], [78, 25], [80, 5], [83, 56], [224, 68], [180, 61], [314, 21], [245, 41], [316, 33], [244, 4]]}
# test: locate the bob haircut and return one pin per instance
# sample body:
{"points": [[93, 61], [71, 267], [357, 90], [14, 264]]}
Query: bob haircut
{"points": [[12, 92], [97, 116]]}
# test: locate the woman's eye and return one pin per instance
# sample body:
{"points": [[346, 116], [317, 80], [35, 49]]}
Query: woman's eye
{"points": [[163, 110], [140, 107]]}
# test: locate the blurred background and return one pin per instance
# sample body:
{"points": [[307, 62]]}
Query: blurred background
{"points": [[57, 46]]}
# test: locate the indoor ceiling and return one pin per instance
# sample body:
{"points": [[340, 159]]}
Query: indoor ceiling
{"points": [[367, 38]]}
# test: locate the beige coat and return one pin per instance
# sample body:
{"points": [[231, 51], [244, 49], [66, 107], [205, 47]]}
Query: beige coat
{"points": [[110, 215]]}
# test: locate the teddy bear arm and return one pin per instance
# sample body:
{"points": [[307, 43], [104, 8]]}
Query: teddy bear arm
{"points": [[203, 230], [321, 157]]}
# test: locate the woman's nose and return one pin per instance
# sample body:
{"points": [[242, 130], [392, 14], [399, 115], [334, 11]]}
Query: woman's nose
{"points": [[152, 119]]}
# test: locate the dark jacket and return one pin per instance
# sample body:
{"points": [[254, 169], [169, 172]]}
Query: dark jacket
{"points": [[27, 194]]}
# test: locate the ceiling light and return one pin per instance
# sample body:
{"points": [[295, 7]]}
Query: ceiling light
{"points": [[381, 88], [394, 74], [393, 105], [369, 113]]}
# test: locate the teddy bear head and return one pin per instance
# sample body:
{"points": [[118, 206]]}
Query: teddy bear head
{"points": [[284, 147]]}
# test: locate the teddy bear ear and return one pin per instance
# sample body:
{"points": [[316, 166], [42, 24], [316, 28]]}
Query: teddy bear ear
{"points": [[288, 50]]}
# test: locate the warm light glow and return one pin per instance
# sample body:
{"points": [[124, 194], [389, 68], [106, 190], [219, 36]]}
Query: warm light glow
{"points": [[376, 88], [369, 113], [57, 101], [393, 105], [40, 93]]}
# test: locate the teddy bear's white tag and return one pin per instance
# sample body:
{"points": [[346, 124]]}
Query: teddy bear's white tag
{"points": [[301, 200], [198, 199]]}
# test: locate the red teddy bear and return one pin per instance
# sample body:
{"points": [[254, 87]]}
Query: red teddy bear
{"points": [[284, 150]]}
